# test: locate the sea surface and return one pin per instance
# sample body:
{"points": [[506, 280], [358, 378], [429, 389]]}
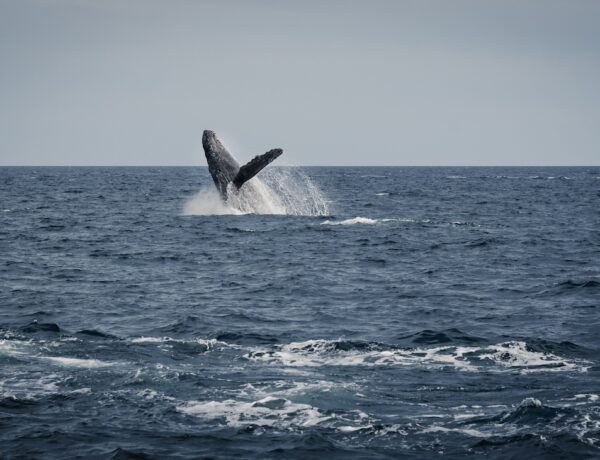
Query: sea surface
{"points": [[340, 313]]}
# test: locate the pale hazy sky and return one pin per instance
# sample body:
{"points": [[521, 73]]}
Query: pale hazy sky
{"points": [[448, 82]]}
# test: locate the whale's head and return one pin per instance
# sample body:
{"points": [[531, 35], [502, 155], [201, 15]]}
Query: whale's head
{"points": [[221, 165], [211, 142]]}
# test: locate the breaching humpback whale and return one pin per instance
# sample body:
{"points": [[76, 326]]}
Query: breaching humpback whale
{"points": [[224, 169]]}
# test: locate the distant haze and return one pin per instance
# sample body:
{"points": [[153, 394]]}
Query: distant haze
{"points": [[135, 82]]}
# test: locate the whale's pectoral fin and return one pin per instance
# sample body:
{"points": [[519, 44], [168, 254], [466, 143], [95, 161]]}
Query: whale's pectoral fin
{"points": [[254, 166]]}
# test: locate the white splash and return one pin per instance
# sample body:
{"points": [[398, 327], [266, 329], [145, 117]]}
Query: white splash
{"points": [[279, 191], [208, 202]]}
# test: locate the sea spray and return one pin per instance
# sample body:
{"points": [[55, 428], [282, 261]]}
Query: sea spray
{"points": [[279, 191], [207, 202]]}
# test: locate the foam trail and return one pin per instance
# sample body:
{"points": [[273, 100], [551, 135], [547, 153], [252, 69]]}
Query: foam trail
{"points": [[279, 191]]}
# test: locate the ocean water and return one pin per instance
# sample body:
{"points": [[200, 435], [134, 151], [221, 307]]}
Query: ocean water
{"points": [[333, 313]]}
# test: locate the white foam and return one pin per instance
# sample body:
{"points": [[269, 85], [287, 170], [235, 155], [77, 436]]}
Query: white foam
{"points": [[271, 405], [516, 355], [441, 429], [15, 348], [314, 353], [210, 344], [82, 391], [77, 362], [510, 355], [353, 221], [151, 394], [468, 415], [268, 412], [290, 388], [150, 339], [29, 386]]}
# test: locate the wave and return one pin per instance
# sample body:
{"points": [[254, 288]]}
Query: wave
{"points": [[445, 336], [35, 327], [95, 334], [571, 286], [530, 410], [580, 284], [248, 338]]}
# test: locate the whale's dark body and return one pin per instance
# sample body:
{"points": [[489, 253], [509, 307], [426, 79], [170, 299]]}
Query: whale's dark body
{"points": [[224, 169]]}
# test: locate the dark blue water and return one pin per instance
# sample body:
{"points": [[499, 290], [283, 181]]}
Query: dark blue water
{"points": [[435, 312]]}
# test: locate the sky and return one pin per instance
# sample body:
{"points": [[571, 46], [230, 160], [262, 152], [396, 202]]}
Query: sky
{"points": [[372, 82]]}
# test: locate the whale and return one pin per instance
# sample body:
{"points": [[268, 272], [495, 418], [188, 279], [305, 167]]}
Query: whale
{"points": [[226, 172]]}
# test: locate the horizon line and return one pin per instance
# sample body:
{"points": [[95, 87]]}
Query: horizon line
{"points": [[305, 166]]}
